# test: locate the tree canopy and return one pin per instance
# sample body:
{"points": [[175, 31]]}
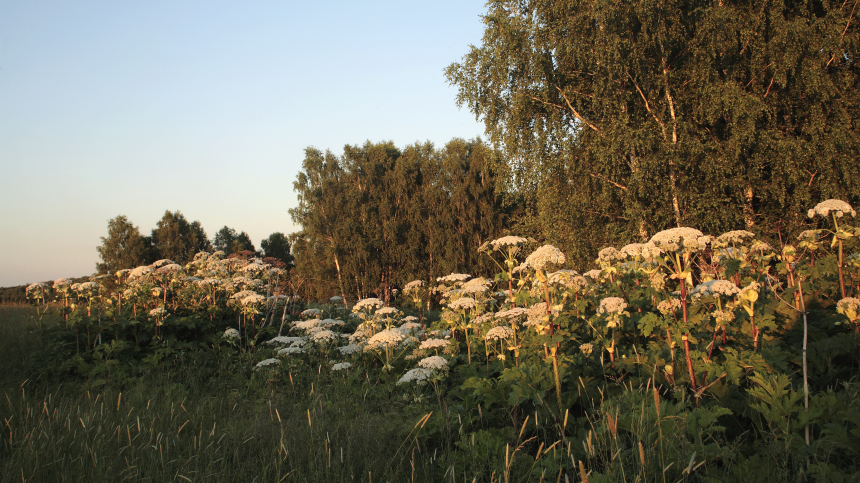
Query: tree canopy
{"points": [[619, 119], [123, 247], [277, 246], [228, 241], [378, 216], [177, 239]]}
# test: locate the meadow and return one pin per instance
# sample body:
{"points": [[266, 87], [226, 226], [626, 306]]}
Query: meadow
{"points": [[686, 358]]}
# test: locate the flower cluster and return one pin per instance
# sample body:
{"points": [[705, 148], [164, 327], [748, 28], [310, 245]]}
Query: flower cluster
{"points": [[499, 333], [839, 208], [544, 256], [682, 239]]}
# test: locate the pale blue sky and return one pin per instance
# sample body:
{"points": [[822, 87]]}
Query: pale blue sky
{"points": [[134, 108]]}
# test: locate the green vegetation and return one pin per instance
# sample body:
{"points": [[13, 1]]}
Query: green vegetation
{"points": [[689, 357]]}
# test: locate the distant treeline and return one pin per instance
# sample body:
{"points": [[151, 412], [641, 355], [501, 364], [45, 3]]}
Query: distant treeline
{"points": [[177, 239]]}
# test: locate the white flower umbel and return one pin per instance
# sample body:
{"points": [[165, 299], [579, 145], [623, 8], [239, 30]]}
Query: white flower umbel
{"points": [[717, 288], [419, 376], [434, 363], [463, 303], [838, 208], [499, 333], [340, 366], [613, 308], [231, 334], [454, 277], [367, 304], [307, 313], [413, 285], [434, 344], [285, 351], [544, 256], [285, 340], [267, 363]]}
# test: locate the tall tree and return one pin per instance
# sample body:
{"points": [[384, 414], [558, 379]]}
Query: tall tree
{"points": [[277, 246], [228, 241], [630, 117], [177, 239], [380, 217], [224, 239], [123, 247], [242, 242]]}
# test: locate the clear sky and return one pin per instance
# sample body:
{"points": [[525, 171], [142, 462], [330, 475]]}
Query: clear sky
{"points": [[134, 108]]}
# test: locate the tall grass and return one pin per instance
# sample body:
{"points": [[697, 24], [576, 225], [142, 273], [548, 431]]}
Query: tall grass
{"points": [[176, 425]]}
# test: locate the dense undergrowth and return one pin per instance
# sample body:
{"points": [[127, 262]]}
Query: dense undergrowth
{"points": [[688, 358]]}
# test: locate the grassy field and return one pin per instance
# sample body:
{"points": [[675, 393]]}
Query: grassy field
{"points": [[194, 422]]}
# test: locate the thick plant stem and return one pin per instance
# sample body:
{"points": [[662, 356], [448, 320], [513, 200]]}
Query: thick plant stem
{"points": [[841, 277], [689, 362]]}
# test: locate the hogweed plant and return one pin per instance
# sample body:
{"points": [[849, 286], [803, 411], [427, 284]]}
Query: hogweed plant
{"points": [[836, 209]]}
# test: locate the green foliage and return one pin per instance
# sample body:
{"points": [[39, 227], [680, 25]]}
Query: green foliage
{"points": [[124, 247], [176, 239], [278, 246], [379, 217], [618, 120]]}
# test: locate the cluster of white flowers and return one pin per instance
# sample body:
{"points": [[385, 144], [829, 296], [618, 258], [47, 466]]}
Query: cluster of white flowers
{"points": [[306, 324], [476, 286], [512, 313], [290, 350], [715, 288], [341, 366], [368, 303], [838, 207], [387, 311], [169, 268], [434, 344], [419, 375], [324, 336], [158, 312], [409, 326], [612, 305], [335, 299], [267, 362], [61, 282], [434, 363], [537, 314], [311, 313], [348, 349], [761, 247], [609, 255], [231, 334], [464, 303], [544, 256], [667, 307], [413, 285], [682, 239], [39, 289], [385, 338], [498, 333], [594, 274], [285, 340], [505, 241], [454, 277], [331, 323], [253, 299], [86, 287], [647, 251]]}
